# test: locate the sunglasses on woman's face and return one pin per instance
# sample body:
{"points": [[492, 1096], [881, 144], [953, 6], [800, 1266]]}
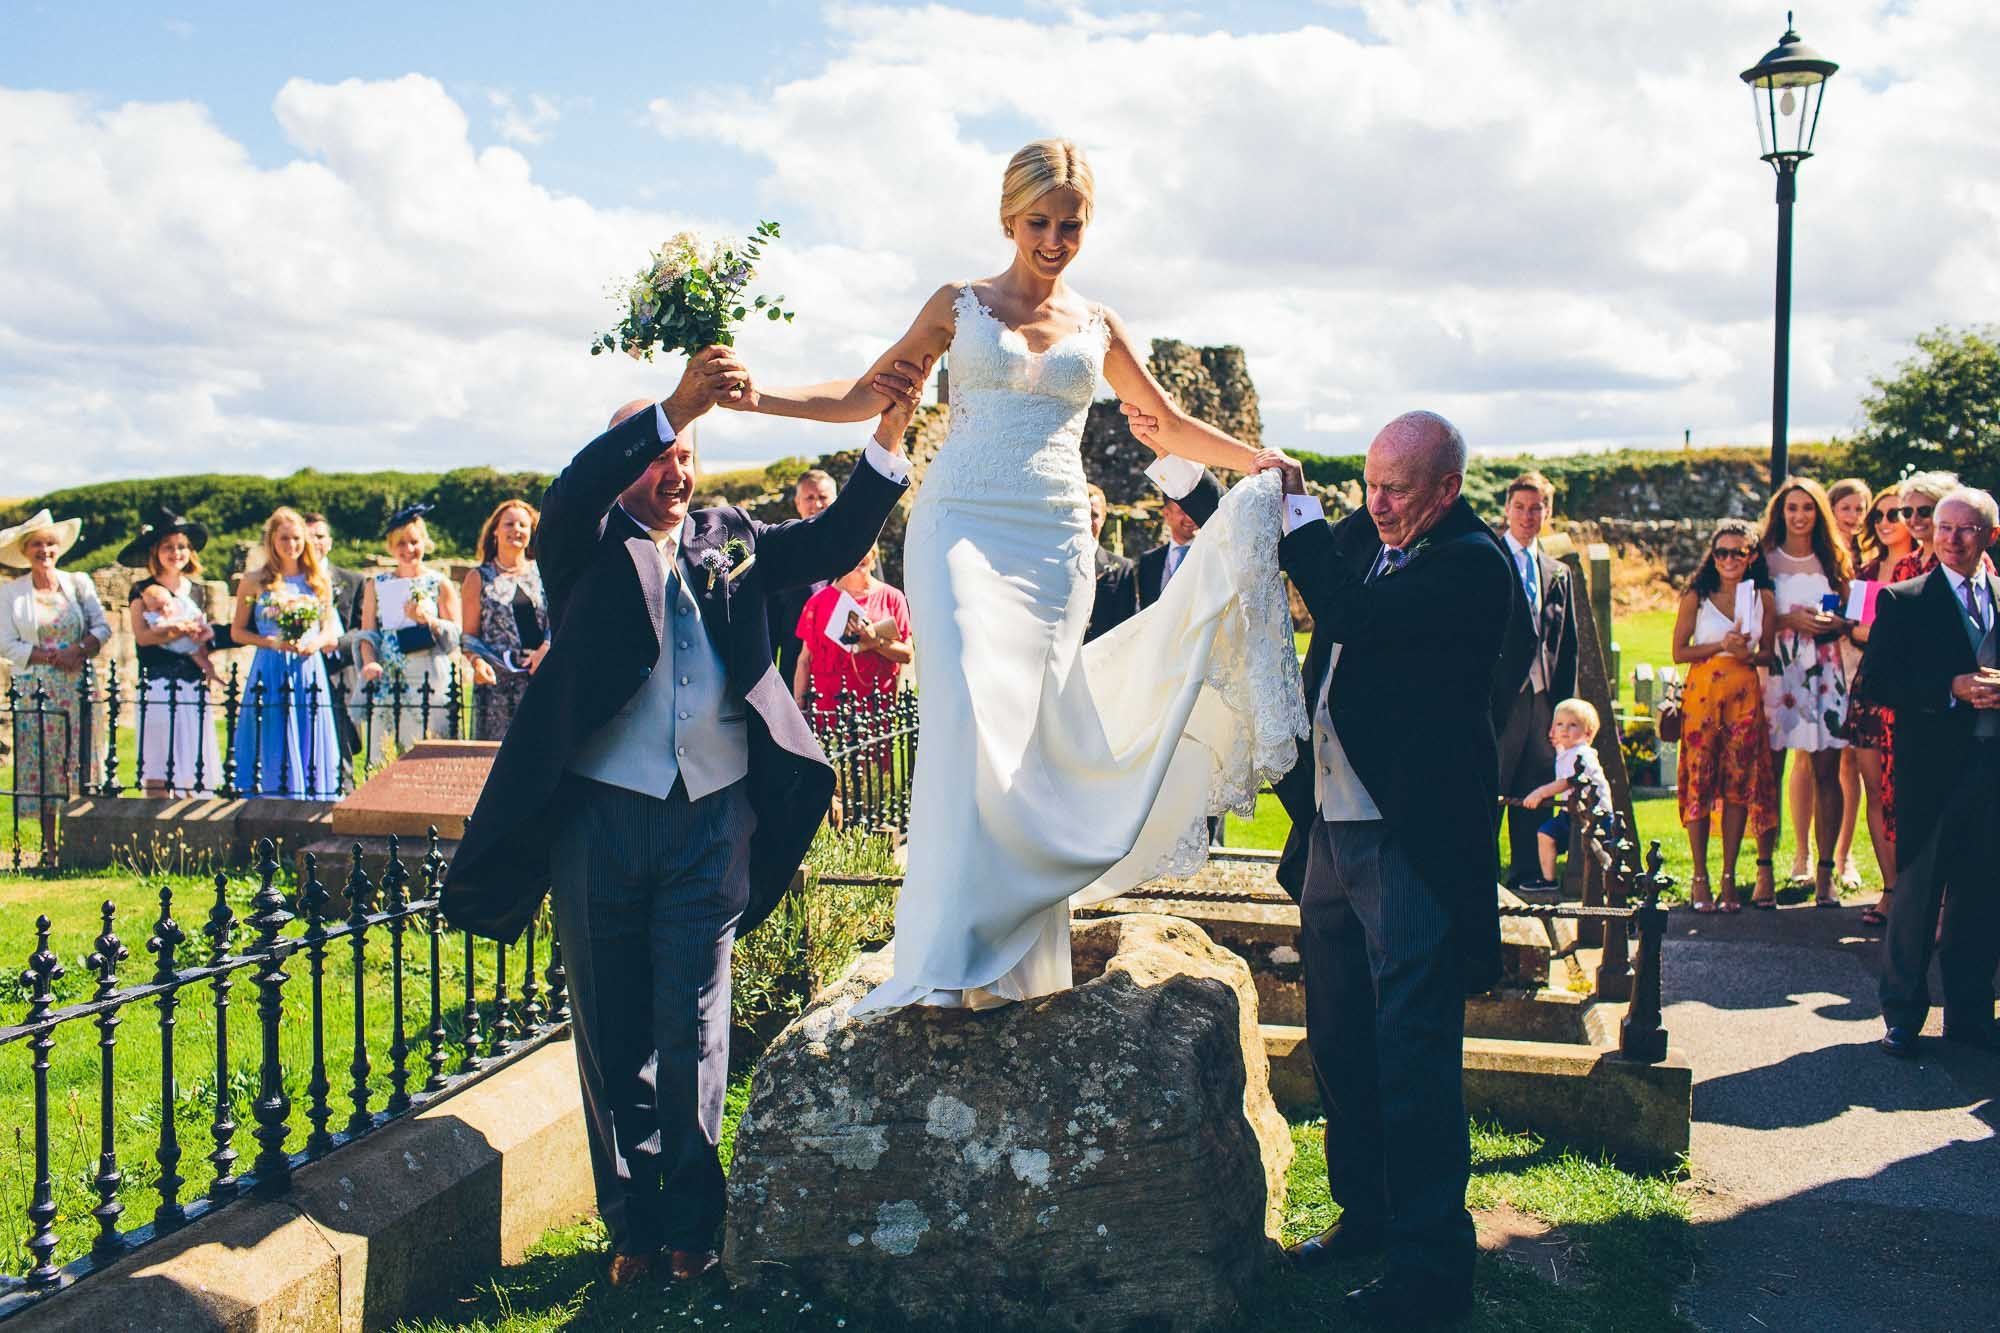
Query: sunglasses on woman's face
{"points": [[1732, 553], [1889, 515], [1908, 512]]}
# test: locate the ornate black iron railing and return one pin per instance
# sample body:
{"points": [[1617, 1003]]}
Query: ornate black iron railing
{"points": [[871, 741], [453, 1042], [1619, 909], [310, 741]]}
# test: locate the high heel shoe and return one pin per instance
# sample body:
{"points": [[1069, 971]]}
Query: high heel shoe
{"points": [[1823, 894], [1700, 899], [1765, 899], [1731, 904]]}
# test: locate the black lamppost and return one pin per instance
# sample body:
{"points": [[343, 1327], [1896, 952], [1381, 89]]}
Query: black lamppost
{"points": [[1787, 88]]}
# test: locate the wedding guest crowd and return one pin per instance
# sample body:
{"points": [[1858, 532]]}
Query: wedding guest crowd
{"points": [[505, 615], [1934, 657], [51, 623], [813, 491], [1537, 667], [1722, 632], [171, 635], [410, 630], [285, 740], [872, 648]]}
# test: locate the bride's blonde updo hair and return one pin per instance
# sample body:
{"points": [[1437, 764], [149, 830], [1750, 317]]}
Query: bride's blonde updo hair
{"points": [[1044, 165]]}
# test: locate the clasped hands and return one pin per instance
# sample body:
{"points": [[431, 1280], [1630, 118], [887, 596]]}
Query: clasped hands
{"points": [[1145, 428], [1980, 689], [716, 377]]}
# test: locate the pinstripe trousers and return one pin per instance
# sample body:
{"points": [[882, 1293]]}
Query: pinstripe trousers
{"points": [[1385, 1020], [647, 894]]}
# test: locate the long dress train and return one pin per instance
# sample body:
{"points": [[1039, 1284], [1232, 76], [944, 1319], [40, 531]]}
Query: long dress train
{"points": [[1051, 773]]}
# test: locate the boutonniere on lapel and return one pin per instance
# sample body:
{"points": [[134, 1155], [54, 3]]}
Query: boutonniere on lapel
{"points": [[1393, 567], [729, 563]]}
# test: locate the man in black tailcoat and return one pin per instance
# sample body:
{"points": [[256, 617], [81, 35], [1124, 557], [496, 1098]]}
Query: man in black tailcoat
{"points": [[1392, 807], [1537, 666], [1117, 599], [1182, 517], [653, 742], [1934, 657]]}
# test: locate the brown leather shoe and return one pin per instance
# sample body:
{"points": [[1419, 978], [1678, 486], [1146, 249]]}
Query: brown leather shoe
{"points": [[627, 1269], [686, 1265]]}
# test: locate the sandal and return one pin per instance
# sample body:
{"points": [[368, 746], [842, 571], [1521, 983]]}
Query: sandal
{"points": [[1878, 915], [1730, 903], [1765, 899], [1700, 899], [1821, 896], [1850, 877]]}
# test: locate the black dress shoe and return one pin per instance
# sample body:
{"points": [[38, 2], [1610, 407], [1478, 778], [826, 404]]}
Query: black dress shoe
{"points": [[1399, 1301], [1900, 1042], [1986, 1038], [1342, 1240]]}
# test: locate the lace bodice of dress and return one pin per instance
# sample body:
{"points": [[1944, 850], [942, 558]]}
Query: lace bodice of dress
{"points": [[1016, 416]]}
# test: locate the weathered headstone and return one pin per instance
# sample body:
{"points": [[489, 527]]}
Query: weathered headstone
{"points": [[431, 783]]}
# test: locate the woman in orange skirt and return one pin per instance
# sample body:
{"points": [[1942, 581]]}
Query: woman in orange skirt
{"points": [[1723, 630]]}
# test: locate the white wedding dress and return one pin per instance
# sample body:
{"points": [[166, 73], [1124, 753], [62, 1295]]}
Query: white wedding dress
{"points": [[1052, 773]]}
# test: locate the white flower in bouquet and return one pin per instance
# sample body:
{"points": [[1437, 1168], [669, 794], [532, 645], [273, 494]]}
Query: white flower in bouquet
{"points": [[689, 297]]}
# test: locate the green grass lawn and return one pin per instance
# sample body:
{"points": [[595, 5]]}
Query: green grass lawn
{"points": [[72, 904], [1633, 1232]]}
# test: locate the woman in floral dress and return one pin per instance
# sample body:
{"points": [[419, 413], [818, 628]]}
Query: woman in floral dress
{"points": [[506, 615], [1805, 688], [51, 623], [1724, 627]]}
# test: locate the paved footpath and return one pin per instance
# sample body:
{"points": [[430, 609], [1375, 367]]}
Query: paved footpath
{"points": [[1835, 1188]]}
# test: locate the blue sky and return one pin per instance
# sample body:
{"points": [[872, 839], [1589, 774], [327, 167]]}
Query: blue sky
{"points": [[238, 238]]}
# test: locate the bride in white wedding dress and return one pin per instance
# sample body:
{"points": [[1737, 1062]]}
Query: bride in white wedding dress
{"points": [[1051, 773]]}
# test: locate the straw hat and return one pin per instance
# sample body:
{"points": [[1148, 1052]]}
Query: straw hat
{"points": [[13, 539]]}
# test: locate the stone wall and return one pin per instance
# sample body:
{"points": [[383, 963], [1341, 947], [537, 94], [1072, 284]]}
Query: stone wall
{"points": [[1677, 543]]}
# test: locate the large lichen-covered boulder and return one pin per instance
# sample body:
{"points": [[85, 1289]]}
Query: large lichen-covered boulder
{"points": [[1107, 1157]]}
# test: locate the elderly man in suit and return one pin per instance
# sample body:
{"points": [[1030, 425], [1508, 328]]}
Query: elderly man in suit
{"points": [[1934, 656], [1188, 506], [1117, 598], [1393, 803], [1537, 665], [655, 739], [814, 491]]}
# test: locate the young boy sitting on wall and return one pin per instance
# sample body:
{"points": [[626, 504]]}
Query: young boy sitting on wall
{"points": [[1571, 731]]}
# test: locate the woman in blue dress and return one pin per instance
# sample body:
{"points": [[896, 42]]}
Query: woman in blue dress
{"points": [[285, 741]]}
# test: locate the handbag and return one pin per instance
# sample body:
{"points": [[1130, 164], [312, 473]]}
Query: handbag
{"points": [[1667, 720], [415, 639]]}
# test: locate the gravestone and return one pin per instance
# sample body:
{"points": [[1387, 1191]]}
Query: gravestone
{"points": [[433, 784]]}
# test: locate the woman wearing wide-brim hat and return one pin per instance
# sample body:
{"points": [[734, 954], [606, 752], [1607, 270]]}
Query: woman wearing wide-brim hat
{"points": [[178, 753], [51, 623]]}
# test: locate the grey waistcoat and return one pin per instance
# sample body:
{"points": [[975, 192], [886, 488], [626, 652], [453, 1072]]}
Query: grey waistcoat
{"points": [[683, 722]]}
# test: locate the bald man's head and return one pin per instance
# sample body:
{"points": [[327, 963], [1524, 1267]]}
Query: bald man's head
{"points": [[627, 412], [1415, 469]]}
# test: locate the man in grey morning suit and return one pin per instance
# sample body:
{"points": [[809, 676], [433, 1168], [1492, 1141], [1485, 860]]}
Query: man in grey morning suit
{"points": [[652, 743]]}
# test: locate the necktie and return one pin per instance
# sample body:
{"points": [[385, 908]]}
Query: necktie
{"points": [[1174, 554], [1972, 607], [1530, 584]]}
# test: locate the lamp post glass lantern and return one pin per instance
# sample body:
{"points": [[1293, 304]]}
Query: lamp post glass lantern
{"points": [[1787, 89]]}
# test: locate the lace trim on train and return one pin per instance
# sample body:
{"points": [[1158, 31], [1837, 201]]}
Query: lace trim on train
{"points": [[1254, 667]]}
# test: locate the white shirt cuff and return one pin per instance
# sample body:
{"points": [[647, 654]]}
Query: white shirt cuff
{"points": [[1174, 475], [1300, 510], [660, 421], [895, 467]]}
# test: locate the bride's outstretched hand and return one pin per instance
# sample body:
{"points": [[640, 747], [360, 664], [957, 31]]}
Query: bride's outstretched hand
{"points": [[1285, 465], [903, 386], [1144, 426]]}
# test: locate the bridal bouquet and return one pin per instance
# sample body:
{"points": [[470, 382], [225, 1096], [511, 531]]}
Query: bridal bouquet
{"points": [[294, 613], [690, 297]]}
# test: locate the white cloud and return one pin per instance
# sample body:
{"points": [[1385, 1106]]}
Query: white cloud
{"points": [[531, 124], [1547, 220]]}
